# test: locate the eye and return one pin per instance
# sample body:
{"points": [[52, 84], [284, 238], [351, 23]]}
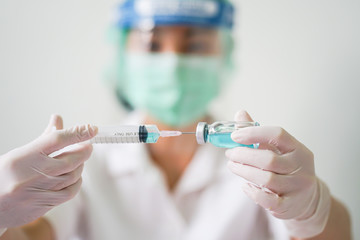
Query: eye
{"points": [[197, 47], [153, 46]]}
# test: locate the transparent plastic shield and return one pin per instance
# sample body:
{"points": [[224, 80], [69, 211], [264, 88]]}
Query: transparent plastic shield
{"points": [[187, 40]]}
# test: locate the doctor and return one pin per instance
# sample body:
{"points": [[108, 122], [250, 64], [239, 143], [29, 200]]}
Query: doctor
{"points": [[173, 56]]}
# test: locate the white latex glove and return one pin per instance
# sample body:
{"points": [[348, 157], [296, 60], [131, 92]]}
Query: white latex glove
{"points": [[281, 177], [32, 183]]}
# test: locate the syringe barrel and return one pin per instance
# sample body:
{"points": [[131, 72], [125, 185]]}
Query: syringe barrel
{"points": [[121, 134]]}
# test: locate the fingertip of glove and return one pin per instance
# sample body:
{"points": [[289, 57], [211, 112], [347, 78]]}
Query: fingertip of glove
{"points": [[240, 114], [86, 131], [229, 154], [237, 135], [93, 130]]}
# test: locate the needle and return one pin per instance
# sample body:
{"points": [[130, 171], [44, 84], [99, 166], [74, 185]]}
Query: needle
{"points": [[173, 133]]}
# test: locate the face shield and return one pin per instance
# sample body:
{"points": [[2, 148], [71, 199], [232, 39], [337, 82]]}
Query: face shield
{"points": [[195, 27], [172, 55], [150, 13]]}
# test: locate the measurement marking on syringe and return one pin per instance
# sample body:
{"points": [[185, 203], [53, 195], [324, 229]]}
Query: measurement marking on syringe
{"points": [[131, 134]]}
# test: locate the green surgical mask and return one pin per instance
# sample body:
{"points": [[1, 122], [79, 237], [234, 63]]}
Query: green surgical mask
{"points": [[174, 89]]}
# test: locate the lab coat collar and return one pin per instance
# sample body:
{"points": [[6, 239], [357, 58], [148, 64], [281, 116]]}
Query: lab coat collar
{"points": [[202, 170], [125, 159]]}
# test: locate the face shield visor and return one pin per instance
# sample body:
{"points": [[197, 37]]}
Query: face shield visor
{"points": [[200, 27], [150, 13]]}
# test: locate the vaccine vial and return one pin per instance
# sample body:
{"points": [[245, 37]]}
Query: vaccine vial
{"points": [[219, 133]]}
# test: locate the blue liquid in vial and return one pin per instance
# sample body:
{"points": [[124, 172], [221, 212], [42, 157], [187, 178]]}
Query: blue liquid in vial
{"points": [[224, 140]]}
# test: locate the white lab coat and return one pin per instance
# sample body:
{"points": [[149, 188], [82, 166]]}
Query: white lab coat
{"points": [[125, 196]]}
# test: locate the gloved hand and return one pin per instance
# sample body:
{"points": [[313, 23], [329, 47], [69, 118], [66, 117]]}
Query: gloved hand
{"points": [[281, 177], [32, 182]]}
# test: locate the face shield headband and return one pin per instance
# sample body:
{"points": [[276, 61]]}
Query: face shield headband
{"points": [[149, 13]]}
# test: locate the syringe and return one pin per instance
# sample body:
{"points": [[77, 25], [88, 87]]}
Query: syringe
{"points": [[217, 133], [131, 134]]}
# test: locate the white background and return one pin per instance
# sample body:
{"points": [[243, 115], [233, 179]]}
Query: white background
{"points": [[298, 67]]}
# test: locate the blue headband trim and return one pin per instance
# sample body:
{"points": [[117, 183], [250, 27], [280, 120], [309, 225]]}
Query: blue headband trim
{"points": [[149, 13]]}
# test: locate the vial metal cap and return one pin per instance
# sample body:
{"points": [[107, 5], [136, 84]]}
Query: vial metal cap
{"points": [[200, 133]]}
